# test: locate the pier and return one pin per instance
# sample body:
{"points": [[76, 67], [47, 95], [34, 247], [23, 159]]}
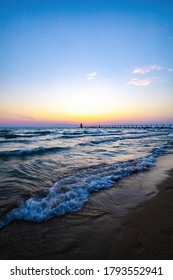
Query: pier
{"points": [[131, 126]]}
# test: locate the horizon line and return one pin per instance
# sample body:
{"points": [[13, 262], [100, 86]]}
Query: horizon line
{"points": [[89, 125]]}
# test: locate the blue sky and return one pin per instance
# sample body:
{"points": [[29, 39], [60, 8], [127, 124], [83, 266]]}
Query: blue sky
{"points": [[91, 61]]}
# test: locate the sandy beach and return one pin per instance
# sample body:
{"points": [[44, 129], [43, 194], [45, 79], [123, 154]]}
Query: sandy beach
{"points": [[99, 231], [147, 232]]}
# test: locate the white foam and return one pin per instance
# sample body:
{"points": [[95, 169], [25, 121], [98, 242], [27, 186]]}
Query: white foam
{"points": [[71, 193]]}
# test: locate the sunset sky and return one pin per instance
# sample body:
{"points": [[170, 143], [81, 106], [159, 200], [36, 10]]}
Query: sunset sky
{"points": [[93, 61]]}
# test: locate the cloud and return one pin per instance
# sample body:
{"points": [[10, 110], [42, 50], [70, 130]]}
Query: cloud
{"points": [[24, 116], [140, 82], [91, 76], [142, 70], [156, 67], [147, 69]]}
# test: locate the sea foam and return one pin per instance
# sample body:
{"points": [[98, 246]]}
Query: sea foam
{"points": [[69, 194]]}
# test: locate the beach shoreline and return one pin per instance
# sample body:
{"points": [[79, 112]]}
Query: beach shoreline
{"points": [[101, 230], [147, 232]]}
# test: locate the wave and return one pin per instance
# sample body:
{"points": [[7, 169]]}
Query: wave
{"points": [[69, 194], [121, 138], [144, 136], [68, 136], [8, 134], [16, 141], [42, 132], [90, 133], [137, 132], [38, 150], [4, 130], [99, 141], [80, 133]]}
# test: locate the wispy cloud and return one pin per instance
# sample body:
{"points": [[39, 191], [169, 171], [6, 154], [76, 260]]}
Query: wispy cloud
{"points": [[24, 116], [147, 69], [144, 71], [91, 76], [140, 82]]}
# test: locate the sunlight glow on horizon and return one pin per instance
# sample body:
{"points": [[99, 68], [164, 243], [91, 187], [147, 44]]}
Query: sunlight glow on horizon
{"points": [[66, 64]]}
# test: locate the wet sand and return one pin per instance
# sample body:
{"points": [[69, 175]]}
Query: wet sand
{"points": [[147, 232], [101, 230]]}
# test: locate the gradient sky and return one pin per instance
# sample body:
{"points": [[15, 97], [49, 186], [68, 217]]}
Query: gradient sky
{"points": [[72, 61]]}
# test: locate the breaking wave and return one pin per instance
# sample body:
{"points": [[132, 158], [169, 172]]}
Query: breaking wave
{"points": [[69, 194], [7, 134], [38, 150]]}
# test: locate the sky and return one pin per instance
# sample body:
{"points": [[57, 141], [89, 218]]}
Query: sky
{"points": [[65, 62]]}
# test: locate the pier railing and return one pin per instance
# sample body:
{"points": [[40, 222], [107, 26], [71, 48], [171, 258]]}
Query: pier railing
{"points": [[163, 126]]}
